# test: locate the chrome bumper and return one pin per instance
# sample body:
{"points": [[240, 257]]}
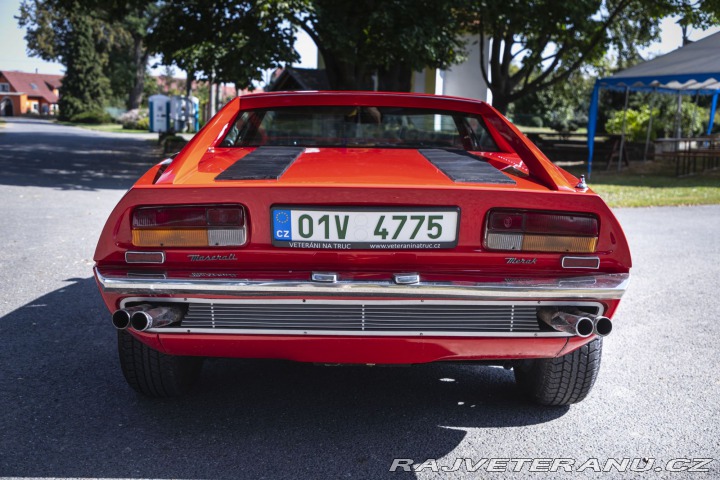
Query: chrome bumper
{"points": [[593, 287]]}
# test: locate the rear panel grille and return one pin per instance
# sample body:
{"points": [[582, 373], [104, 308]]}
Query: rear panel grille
{"points": [[363, 317]]}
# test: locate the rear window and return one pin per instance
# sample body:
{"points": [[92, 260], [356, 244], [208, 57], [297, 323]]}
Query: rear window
{"points": [[374, 127]]}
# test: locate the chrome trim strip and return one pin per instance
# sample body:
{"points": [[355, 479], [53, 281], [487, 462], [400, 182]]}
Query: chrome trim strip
{"points": [[160, 276], [595, 287], [344, 333], [596, 259], [295, 301]]}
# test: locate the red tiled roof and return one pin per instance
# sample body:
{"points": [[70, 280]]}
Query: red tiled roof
{"points": [[34, 84]]}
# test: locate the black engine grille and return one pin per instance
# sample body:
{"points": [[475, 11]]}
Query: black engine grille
{"points": [[363, 317]]}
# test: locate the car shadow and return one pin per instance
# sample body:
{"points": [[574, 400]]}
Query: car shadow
{"points": [[66, 411], [70, 158]]}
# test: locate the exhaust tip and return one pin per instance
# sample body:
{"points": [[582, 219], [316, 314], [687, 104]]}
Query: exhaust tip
{"points": [[121, 319], [584, 327], [603, 326], [140, 321]]}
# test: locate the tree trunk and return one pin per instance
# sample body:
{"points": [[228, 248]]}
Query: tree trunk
{"points": [[189, 82], [345, 75], [502, 93], [500, 102], [397, 78], [140, 60], [212, 100]]}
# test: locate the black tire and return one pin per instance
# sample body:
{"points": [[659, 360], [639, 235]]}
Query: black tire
{"points": [[155, 374], [562, 380]]}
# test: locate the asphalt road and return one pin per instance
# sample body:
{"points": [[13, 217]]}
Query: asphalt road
{"points": [[65, 410]]}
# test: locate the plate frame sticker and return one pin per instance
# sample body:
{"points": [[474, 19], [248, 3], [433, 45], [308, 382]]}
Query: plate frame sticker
{"points": [[281, 233]]}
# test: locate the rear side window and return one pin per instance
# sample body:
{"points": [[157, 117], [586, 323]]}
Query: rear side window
{"points": [[352, 126]]}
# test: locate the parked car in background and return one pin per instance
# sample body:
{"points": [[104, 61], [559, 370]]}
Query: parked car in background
{"points": [[362, 228]]}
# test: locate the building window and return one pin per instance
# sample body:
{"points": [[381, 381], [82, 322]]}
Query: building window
{"points": [[33, 86], [4, 87]]}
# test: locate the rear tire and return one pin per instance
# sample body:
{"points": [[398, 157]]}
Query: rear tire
{"points": [[155, 374], [562, 380]]}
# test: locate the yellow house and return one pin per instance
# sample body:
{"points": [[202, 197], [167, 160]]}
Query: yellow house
{"points": [[22, 93]]}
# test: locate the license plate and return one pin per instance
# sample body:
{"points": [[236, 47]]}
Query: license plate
{"points": [[365, 228]]}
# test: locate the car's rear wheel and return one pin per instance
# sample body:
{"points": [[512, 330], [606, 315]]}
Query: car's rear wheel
{"points": [[153, 373], [562, 380]]}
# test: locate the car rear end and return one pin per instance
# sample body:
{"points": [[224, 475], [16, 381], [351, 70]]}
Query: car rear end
{"points": [[361, 254]]}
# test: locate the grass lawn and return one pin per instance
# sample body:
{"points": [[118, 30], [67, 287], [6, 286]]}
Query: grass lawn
{"points": [[110, 127], [653, 184], [526, 129], [106, 127]]}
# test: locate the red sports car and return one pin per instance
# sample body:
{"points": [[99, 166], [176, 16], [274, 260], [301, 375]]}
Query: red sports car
{"points": [[362, 228]]}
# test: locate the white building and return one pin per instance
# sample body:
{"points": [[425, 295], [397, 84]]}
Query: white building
{"points": [[462, 80]]}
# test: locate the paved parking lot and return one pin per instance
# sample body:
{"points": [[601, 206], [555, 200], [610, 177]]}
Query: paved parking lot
{"points": [[65, 410]]}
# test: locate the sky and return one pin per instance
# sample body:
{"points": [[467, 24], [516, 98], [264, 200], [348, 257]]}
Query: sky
{"points": [[13, 54]]}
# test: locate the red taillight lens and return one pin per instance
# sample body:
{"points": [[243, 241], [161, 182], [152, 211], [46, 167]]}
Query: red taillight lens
{"points": [[153, 217], [541, 231], [561, 224], [506, 222], [189, 226], [225, 217]]}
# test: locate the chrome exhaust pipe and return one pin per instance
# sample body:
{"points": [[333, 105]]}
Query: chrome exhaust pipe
{"points": [[121, 317], [602, 326], [579, 325], [155, 318]]}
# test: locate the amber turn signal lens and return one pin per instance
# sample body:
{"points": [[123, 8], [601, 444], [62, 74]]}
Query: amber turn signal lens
{"points": [[548, 243], [169, 238]]}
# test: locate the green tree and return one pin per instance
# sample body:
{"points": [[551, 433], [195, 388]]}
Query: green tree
{"points": [[62, 31], [132, 21], [562, 106], [697, 13], [84, 85], [223, 40], [118, 29], [390, 38], [547, 41]]}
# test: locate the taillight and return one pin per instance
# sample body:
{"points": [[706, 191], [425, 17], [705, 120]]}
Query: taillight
{"points": [[189, 226], [529, 231]]}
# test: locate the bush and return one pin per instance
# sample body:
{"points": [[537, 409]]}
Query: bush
{"points": [[173, 143], [564, 123], [536, 121], [143, 124], [636, 123], [135, 119], [692, 122], [92, 117], [527, 120]]}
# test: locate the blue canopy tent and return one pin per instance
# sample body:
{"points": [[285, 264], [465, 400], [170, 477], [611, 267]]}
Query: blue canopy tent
{"points": [[690, 70]]}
